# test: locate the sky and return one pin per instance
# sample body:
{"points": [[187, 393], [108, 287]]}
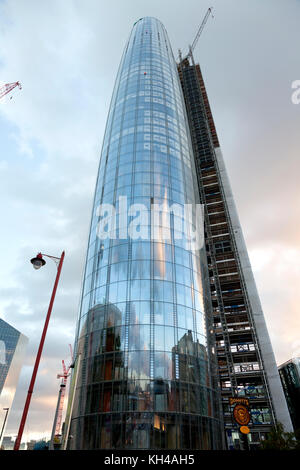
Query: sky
{"points": [[66, 54]]}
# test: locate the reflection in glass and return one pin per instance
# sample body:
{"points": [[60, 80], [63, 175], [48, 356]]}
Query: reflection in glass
{"points": [[144, 379]]}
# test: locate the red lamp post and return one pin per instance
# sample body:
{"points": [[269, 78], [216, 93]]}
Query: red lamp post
{"points": [[38, 262]]}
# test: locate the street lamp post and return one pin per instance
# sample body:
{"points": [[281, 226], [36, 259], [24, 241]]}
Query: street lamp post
{"points": [[4, 409], [37, 263]]}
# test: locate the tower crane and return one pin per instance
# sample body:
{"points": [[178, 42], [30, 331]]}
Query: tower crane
{"points": [[8, 87], [192, 47], [56, 430]]}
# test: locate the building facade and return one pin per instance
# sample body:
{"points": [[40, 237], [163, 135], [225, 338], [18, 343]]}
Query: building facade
{"points": [[12, 351], [290, 378], [146, 368], [167, 334], [8, 443], [246, 362]]}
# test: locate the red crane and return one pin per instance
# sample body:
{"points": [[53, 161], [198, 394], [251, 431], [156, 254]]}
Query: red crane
{"points": [[4, 89], [56, 430]]}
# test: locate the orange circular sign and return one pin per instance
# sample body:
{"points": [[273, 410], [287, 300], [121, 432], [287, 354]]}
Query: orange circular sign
{"points": [[241, 415], [244, 429]]}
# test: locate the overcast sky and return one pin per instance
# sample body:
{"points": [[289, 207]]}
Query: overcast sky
{"points": [[66, 54]]}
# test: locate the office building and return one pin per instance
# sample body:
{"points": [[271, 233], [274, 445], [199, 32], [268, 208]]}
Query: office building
{"points": [[8, 443], [12, 351], [290, 378], [167, 333], [246, 361], [147, 375]]}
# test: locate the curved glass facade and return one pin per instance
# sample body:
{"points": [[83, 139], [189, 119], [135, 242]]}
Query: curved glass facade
{"points": [[12, 351], [144, 378]]}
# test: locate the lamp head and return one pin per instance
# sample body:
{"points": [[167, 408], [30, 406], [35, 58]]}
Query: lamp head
{"points": [[38, 261]]}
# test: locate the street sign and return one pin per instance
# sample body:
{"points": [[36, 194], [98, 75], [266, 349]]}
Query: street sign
{"points": [[241, 415], [238, 401], [244, 429]]}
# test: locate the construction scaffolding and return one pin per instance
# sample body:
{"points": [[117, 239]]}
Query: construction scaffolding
{"points": [[240, 366]]}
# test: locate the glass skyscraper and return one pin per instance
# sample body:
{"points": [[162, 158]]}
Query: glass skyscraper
{"points": [[12, 349], [145, 376], [290, 378]]}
